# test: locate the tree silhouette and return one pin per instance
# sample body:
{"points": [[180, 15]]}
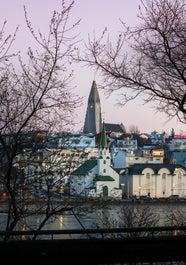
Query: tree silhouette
{"points": [[146, 61], [36, 96]]}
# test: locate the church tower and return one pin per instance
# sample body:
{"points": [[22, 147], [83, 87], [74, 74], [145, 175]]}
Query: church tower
{"points": [[104, 160], [93, 120]]}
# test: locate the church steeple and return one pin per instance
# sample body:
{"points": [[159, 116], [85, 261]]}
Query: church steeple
{"points": [[103, 141], [104, 158], [93, 114]]}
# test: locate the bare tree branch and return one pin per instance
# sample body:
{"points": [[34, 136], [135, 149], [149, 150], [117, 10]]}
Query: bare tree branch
{"points": [[148, 60], [37, 97]]}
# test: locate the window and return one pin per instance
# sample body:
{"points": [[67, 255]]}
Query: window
{"points": [[164, 183], [148, 182]]}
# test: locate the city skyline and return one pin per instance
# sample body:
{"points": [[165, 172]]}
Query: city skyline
{"points": [[95, 16]]}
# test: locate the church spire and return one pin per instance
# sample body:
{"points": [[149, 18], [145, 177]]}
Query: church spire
{"points": [[103, 141]]}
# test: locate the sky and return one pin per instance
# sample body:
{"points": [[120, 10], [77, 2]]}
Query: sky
{"points": [[95, 15]]}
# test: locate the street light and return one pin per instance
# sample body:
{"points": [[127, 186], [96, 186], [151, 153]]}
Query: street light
{"points": [[122, 187], [139, 191], [60, 190]]}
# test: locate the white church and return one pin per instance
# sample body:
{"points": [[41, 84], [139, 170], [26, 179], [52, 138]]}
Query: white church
{"points": [[96, 177]]}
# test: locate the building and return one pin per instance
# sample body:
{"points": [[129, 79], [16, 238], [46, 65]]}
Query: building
{"points": [[115, 130], [97, 177], [93, 117], [178, 143], [93, 120], [155, 180], [178, 157]]}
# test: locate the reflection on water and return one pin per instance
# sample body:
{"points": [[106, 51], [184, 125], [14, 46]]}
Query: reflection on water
{"points": [[23, 228], [60, 221], [109, 216]]}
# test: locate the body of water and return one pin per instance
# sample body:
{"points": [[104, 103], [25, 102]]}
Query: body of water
{"points": [[109, 216]]}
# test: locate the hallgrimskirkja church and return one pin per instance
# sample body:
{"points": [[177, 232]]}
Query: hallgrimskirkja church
{"points": [[93, 118]]}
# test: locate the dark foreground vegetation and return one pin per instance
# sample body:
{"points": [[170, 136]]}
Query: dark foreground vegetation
{"points": [[99, 250]]}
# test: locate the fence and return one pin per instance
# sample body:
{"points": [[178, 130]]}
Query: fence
{"points": [[95, 246]]}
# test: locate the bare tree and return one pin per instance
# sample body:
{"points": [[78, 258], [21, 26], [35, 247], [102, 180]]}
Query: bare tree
{"points": [[37, 96], [154, 66], [5, 44], [128, 216], [133, 129]]}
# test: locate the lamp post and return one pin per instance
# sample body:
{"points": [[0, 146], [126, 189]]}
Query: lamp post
{"points": [[139, 191], [60, 190], [123, 188]]}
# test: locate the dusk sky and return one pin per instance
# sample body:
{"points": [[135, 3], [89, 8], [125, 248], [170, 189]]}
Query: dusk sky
{"points": [[95, 15]]}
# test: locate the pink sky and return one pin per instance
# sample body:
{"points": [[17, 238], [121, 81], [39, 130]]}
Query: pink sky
{"points": [[95, 15]]}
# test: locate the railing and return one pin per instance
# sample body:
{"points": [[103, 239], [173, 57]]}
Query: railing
{"points": [[134, 232], [96, 246]]}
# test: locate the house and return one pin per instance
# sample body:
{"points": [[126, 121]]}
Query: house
{"points": [[97, 177], [116, 130], [125, 158], [178, 157], [178, 143]]}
